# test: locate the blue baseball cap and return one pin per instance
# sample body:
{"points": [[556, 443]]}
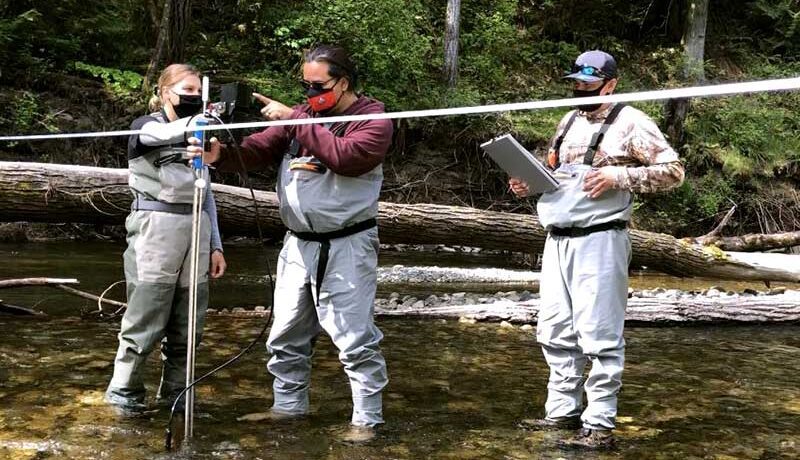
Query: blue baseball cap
{"points": [[593, 66]]}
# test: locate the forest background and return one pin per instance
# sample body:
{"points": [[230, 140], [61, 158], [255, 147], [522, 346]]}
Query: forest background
{"points": [[89, 65]]}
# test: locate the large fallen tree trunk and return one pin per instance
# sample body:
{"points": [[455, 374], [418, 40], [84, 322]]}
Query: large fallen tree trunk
{"points": [[744, 309], [61, 193]]}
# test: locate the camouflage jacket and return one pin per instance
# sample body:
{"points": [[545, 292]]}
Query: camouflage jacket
{"points": [[633, 146]]}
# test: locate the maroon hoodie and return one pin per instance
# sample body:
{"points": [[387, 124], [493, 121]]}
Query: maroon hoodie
{"points": [[361, 147]]}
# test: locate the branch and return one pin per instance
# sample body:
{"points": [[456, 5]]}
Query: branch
{"points": [[15, 310], [89, 296], [718, 228], [36, 282]]}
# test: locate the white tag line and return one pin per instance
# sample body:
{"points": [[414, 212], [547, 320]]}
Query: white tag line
{"points": [[676, 93]]}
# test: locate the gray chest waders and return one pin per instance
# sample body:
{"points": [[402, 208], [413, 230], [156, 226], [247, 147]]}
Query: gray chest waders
{"points": [[324, 238], [568, 210]]}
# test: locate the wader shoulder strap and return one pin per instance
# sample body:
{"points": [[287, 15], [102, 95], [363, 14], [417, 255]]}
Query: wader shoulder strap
{"points": [[597, 138], [554, 156], [178, 153]]}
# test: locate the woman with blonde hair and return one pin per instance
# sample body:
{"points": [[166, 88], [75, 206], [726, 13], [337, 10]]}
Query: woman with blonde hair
{"points": [[159, 233]]}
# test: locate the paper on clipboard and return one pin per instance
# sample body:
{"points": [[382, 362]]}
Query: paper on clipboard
{"points": [[517, 161]]}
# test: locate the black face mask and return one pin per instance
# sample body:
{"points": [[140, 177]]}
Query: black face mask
{"points": [[588, 93], [188, 105]]}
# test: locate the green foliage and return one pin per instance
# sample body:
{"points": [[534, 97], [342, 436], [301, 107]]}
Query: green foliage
{"points": [[389, 40], [27, 116], [509, 51], [40, 36], [14, 48], [781, 19], [489, 40], [711, 193], [537, 127], [25, 113], [386, 39], [121, 84], [747, 135]]}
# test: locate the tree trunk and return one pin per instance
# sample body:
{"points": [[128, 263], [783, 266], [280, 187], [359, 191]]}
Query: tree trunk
{"points": [[160, 49], [41, 192], [451, 42], [743, 309], [693, 41], [180, 19]]}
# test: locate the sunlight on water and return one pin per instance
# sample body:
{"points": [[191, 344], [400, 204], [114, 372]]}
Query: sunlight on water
{"points": [[456, 392]]}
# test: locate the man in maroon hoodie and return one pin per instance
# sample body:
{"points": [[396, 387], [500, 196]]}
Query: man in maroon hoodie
{"points": [[328, 185]]}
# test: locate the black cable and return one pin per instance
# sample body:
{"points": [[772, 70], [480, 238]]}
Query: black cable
{"points": [[246, 179]]}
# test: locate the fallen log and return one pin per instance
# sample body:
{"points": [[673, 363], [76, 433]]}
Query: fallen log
{"points": [[752, 241], [738, 309], [41, 192]]}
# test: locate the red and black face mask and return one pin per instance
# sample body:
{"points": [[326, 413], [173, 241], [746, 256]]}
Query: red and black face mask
{"points": [[319, 98]]}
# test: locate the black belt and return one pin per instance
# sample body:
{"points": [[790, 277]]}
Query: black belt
{"points": [[341, 233], [325, 244], [141, 204], [583, 231]]}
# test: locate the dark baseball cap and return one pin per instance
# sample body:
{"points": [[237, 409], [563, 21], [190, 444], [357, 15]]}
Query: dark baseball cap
{"points": [[593, 66]]}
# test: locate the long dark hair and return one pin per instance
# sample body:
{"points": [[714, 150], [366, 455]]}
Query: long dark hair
{"points": [[339, 61]]}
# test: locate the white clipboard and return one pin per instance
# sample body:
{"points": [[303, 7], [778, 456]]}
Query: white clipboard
{"points": [[517, 161]]}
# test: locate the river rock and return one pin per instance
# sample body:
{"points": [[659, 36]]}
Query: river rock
{"points": [[506, 325], [431, 300], [526, 328], [418, 305], [465, 320]]}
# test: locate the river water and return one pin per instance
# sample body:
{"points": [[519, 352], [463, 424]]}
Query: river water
{"points": [[456, 390]]}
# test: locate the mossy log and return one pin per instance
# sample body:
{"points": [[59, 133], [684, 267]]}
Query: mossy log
{"points": [[39, 192]]}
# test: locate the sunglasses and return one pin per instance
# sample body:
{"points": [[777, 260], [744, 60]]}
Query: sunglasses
{"points": [[590, 71], [316, 85]]}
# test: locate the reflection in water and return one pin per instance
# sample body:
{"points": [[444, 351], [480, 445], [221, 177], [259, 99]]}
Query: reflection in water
{"points": [[99, 264], [455, 392]]}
